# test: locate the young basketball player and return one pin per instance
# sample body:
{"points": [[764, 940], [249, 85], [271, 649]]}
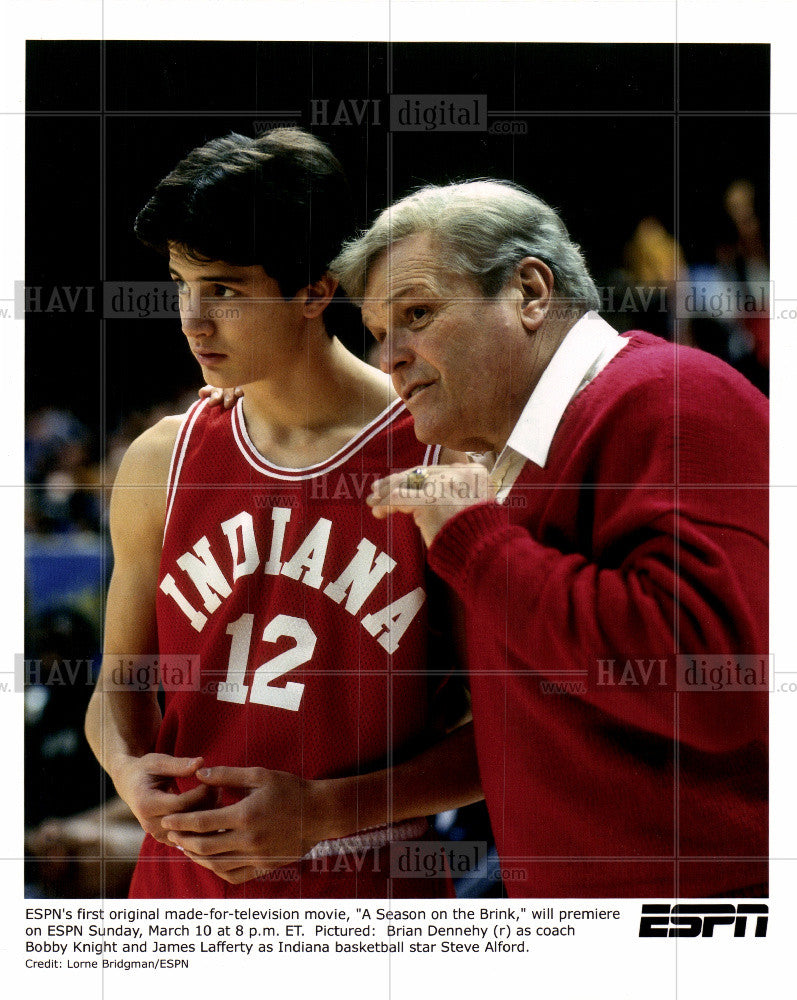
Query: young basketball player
{"points": [[297, 752]]}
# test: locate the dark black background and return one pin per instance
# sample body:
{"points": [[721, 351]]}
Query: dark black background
{"points": [[617, 132]]}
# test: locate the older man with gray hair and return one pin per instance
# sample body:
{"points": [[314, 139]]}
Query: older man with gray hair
{"points": [[607, 544]]}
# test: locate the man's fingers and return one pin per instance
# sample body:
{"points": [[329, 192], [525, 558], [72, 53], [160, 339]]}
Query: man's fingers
{"points": [[155, 804], [440, 484], [382, 488], [241, 875], [207, 821], [388, 508], [173, 767], [223, 397], [185, 801], [394, 490], [398, 501], [231, 870], [207, 845], [218, 864], [232, 777]]}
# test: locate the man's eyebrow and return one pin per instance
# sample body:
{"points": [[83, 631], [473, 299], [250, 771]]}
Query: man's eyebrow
{"points": [[421, 288], [226, 279], [365, 315], [388, 302]]}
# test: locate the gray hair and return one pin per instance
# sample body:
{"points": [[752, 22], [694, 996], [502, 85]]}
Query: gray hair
{"points": [[483, 228]]}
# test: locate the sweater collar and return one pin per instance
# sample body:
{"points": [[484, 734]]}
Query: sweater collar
{"points": [[586, 349]]}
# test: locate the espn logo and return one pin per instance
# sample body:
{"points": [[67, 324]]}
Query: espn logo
{"points": [[700, 919]]}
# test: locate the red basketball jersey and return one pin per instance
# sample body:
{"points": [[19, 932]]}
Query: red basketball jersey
{"points": [[305, 619]]}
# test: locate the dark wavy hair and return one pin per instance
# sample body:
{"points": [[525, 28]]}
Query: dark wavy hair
{"points": [[280, 200]]}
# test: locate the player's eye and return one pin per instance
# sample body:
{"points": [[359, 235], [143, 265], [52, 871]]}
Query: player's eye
{"points": [[182, 287], [223, 292]]}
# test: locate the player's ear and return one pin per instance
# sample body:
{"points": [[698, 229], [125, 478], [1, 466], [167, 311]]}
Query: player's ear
{"points": [[318, 296]]}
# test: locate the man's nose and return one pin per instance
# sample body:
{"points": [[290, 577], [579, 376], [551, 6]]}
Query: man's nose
{"points": [[394, 352]]}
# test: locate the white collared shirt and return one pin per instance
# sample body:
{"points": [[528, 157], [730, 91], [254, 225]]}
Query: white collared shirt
{"points": [[587, 348]]}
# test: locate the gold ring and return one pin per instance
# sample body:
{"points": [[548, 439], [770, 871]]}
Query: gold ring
{"points": [[416, 478]]}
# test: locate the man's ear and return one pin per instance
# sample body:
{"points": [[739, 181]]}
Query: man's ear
{"points": [[535, 280], [316, 297]]}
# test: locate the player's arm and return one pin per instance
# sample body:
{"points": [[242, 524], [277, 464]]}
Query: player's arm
{"points": [[444, 776], [123, 716], [280, 817]]}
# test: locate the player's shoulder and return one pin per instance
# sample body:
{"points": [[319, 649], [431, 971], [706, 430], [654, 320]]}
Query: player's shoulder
{"points": [[148, 458], [138, 500]]}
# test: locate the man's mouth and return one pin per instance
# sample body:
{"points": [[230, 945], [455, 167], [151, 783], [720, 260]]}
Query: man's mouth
{"points": [[415, 390]]}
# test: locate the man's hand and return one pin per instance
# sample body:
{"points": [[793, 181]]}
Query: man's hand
{"points": [[148, 785], [277, 822], [444, 492], [221, 397]]}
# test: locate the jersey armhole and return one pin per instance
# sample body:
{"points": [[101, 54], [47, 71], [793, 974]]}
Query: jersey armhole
{"points": [[178, 456]]}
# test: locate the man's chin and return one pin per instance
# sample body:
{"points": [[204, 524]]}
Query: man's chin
{"points": [[424, 431], [433, 433]]}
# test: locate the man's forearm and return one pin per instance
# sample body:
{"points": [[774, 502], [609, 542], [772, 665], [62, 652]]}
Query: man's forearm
{"points": [[562, 611], [444, 776]]}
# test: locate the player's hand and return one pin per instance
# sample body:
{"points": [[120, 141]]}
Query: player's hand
{"points": [[276, 822], [148, 785], [444, 492], [221, 397]]}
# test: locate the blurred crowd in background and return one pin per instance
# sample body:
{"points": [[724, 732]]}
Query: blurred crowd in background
{"points": [[76, 847]]}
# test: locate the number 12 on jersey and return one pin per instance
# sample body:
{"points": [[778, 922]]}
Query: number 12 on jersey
{"points": [[263, 692]]}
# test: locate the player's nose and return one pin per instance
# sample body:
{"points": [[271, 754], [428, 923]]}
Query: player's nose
{"points": [[196, 327], [194, 314]]}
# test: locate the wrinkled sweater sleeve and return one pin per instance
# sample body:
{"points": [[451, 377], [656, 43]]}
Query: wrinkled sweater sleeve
{"points": [[675, 492]]}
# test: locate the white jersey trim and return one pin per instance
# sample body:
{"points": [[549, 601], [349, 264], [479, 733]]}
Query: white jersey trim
{"points": [[180, 446], [373, 839], [361, 438], [432, 454]]}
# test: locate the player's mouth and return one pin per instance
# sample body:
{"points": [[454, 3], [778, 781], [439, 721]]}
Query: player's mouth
{"points": [[209, 358]]}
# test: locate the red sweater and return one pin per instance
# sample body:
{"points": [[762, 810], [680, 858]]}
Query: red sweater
{"points": [[645, 536]]}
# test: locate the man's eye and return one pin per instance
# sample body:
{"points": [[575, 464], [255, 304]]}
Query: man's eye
{"points": [[418, 313], [223, 292], [182, 288]]}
